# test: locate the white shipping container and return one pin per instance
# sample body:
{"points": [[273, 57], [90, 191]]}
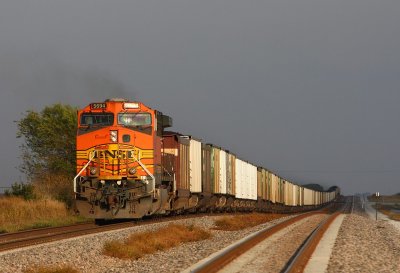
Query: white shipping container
{"points": [[301, 203], [289, 193], [295, 195], [222, 172], [230, 173], [308, 197], [238, 178], [286, 193], [245, 180], [274, 188], [247, 188], [252, 188], [195, 165]]}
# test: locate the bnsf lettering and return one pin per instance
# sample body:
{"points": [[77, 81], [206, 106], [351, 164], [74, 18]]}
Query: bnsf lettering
{"points": [[115, 154]]}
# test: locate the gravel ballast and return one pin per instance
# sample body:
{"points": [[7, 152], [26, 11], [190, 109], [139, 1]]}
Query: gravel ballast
{"points": [[272, 254], [84, 253], [365, 245]]}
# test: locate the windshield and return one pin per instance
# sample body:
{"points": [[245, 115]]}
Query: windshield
{"points": [[97, 119], [134, 119]]}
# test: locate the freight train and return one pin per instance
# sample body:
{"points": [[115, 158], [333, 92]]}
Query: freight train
{"points": [[130, 166]]}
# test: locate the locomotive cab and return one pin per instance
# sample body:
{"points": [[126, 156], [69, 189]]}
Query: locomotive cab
{"points": [[119, 160]]}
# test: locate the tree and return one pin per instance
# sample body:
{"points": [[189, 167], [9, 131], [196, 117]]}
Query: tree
{"points": [[315, 187], [333, 188], [49, 141]]}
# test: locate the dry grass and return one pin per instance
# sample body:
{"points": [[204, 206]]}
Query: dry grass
{"points": [[395, 216], [392, 215], [19, 214], [54, 186], [388, 210], [51, 185], [140, 244], [238, 222], [51, 269]]}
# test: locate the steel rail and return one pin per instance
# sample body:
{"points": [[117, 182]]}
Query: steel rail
{"points": [[299, 259], [220, 259], [34, 237], [18, 235]]}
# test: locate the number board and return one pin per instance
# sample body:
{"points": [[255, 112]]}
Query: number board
{"points": [[100, 105]]}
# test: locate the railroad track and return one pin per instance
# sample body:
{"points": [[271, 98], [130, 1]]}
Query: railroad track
{"points": [[9, 241], [297, 261], [26, 238]]}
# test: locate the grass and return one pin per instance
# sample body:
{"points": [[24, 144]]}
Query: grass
{"points": [[18, 214], [395, 217], [140, 244], [238, 222], [51, 269], [392, 215], [388, 210]]}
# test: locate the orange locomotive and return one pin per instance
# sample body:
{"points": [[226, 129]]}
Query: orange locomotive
{"points": [[119, 169]]}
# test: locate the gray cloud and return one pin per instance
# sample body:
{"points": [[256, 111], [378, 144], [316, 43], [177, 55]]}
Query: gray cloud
{"points": [[307, 88]]}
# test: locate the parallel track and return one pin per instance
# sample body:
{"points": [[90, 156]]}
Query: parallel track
{"points": [[298, 261], [229, 254], [223, 258]]}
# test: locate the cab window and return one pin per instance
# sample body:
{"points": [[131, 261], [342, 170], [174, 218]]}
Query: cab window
{"points": [[134, 119], [90, 119]]}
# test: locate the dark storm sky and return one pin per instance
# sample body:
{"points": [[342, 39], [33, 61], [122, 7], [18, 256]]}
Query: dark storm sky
{"points": [[307, 88]]}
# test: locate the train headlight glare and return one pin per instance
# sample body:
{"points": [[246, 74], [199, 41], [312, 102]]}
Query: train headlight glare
{"points": [[113, 136], [132, 171], [119, 182]]}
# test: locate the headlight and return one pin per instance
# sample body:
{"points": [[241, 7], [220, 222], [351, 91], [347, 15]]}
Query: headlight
{"points": [[93, 170], [113, 136], [132, 171]]}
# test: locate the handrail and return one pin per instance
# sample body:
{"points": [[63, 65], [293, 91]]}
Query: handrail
{"points": [[148, 172], [84, 167]]}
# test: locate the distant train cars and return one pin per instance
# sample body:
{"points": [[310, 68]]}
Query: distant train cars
{"points": [[129, 166]]}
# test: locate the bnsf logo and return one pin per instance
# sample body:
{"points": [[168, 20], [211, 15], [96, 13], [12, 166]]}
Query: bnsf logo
{"points": [[116, 154]]}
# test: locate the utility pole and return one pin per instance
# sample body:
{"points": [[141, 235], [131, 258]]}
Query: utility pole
{"points": [[376, 206]]}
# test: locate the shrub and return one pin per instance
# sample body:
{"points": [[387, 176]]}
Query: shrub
{"points": [[20, 189], [238, 222], [139, 244]]}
